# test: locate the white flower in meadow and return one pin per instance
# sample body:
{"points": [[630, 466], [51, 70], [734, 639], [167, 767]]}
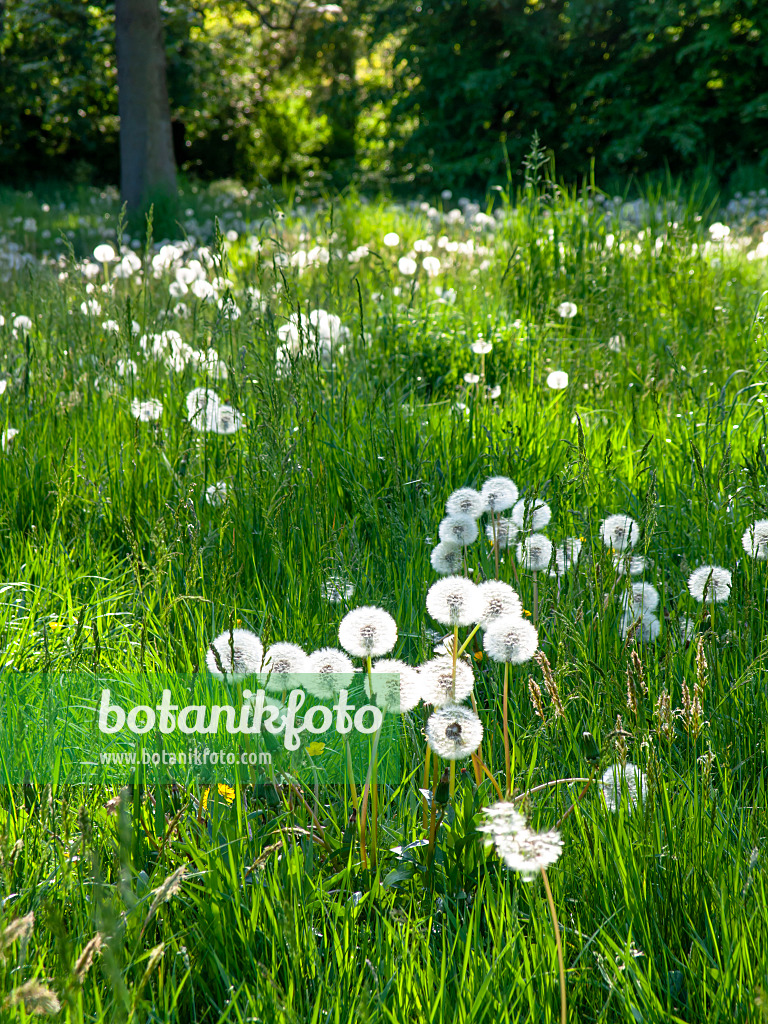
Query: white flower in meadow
{"points": [[229, 308], [447, 559], [481, 347], [407, 266], [7, 436], [151, 409], [531, 514], [567, 310], [335, 669], [506, 532], [710, 583], [23, 323], [216, 494], [391, 239], [497, 598], [626, 782], [209, 364], [511, 638], [755, 540], [368, 632], [619, 532], [521, 849], [459, 529], [454, 732], [281, 661], [493, 392], [90, 307], [203, 290], [445, 295], [557, 380], [641, 626], [616, 343], [104, 253], [719, 231], [471, 378], [465, 502], [534, 552], [337, 590], [240, 653], [432, 265], [422, 245], [202, 406], [498, 493], [177, 290], [2, 320], [111, 325], [225, 420], [3, 386], [566, 556], [454, 601], [397, 687], [641, 598], [687, 629], [634, 564], [438, 684]]}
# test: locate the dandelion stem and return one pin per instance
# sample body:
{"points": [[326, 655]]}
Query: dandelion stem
{"points": [[455, 655], [452, 780], [479, 766], [425, 815], [467, 642], [535, 597], [495, 543], [371, 785], [505, 727], [560, 960], [477, 756]]}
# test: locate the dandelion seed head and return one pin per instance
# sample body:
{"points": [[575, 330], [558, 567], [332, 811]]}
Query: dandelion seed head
{"points": [[530, 514], [511, 638], [626, 781], [333, 671], [619, 532], [240, 653], [367, 632], [465, 502], [498, 493], [225, 420], [566, 556], [534, 552], [634, 564], [397, 687], [567, 310], [481, 347], [147, 411], [282, 661], [557, 380], [519, 847], [640, 598], [755, 540], [447, 559], [454, 732], [337, 590], [497, 598], [641, 626], [216, 494], [710, 583], [438, 687], [459, 529], [454, 601], [506, 532]]}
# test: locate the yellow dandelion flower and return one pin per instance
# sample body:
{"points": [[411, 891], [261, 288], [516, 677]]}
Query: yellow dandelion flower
{"points": [[226, 792], [56, 626], [315, 748], [478, 655], [526, 612]]}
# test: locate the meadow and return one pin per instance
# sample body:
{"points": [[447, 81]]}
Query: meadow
{"points": [[255, 423]]}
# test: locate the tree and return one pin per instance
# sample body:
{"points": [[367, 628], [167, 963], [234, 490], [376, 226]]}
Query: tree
{"points": [[147, 165]]}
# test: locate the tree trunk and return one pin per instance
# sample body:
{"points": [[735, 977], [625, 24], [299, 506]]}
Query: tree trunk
{"points": [[147, 166]]}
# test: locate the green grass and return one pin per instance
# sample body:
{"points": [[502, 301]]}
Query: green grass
{"points": [[111, 560]]}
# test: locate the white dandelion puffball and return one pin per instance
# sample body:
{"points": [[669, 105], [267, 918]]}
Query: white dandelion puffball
{"points": [[329, 671], [407, 266], [3, 386], [623, 781], [438, 686], [534, 552], [465, 502], [337, 590], [619, 532], [511, 638], [557, 380], [447, 559], [567, 310], [471, 378], [497, 599], [458, 530], [566, 556], [216, 494], [397, 687], [240, 653], [147, 411], [368, 632], [755, 540], [520, 848], [640, 626], [104, 253], [202, 404], [454, 601], [481, 347], [391, 239], [282, 661], [506, 532], [531, 514], [498, 493], [225, 420], [641, 598], [710, 583], [454, 732], [633, 564], [616, 343], [687, 629], [7, 436]]}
